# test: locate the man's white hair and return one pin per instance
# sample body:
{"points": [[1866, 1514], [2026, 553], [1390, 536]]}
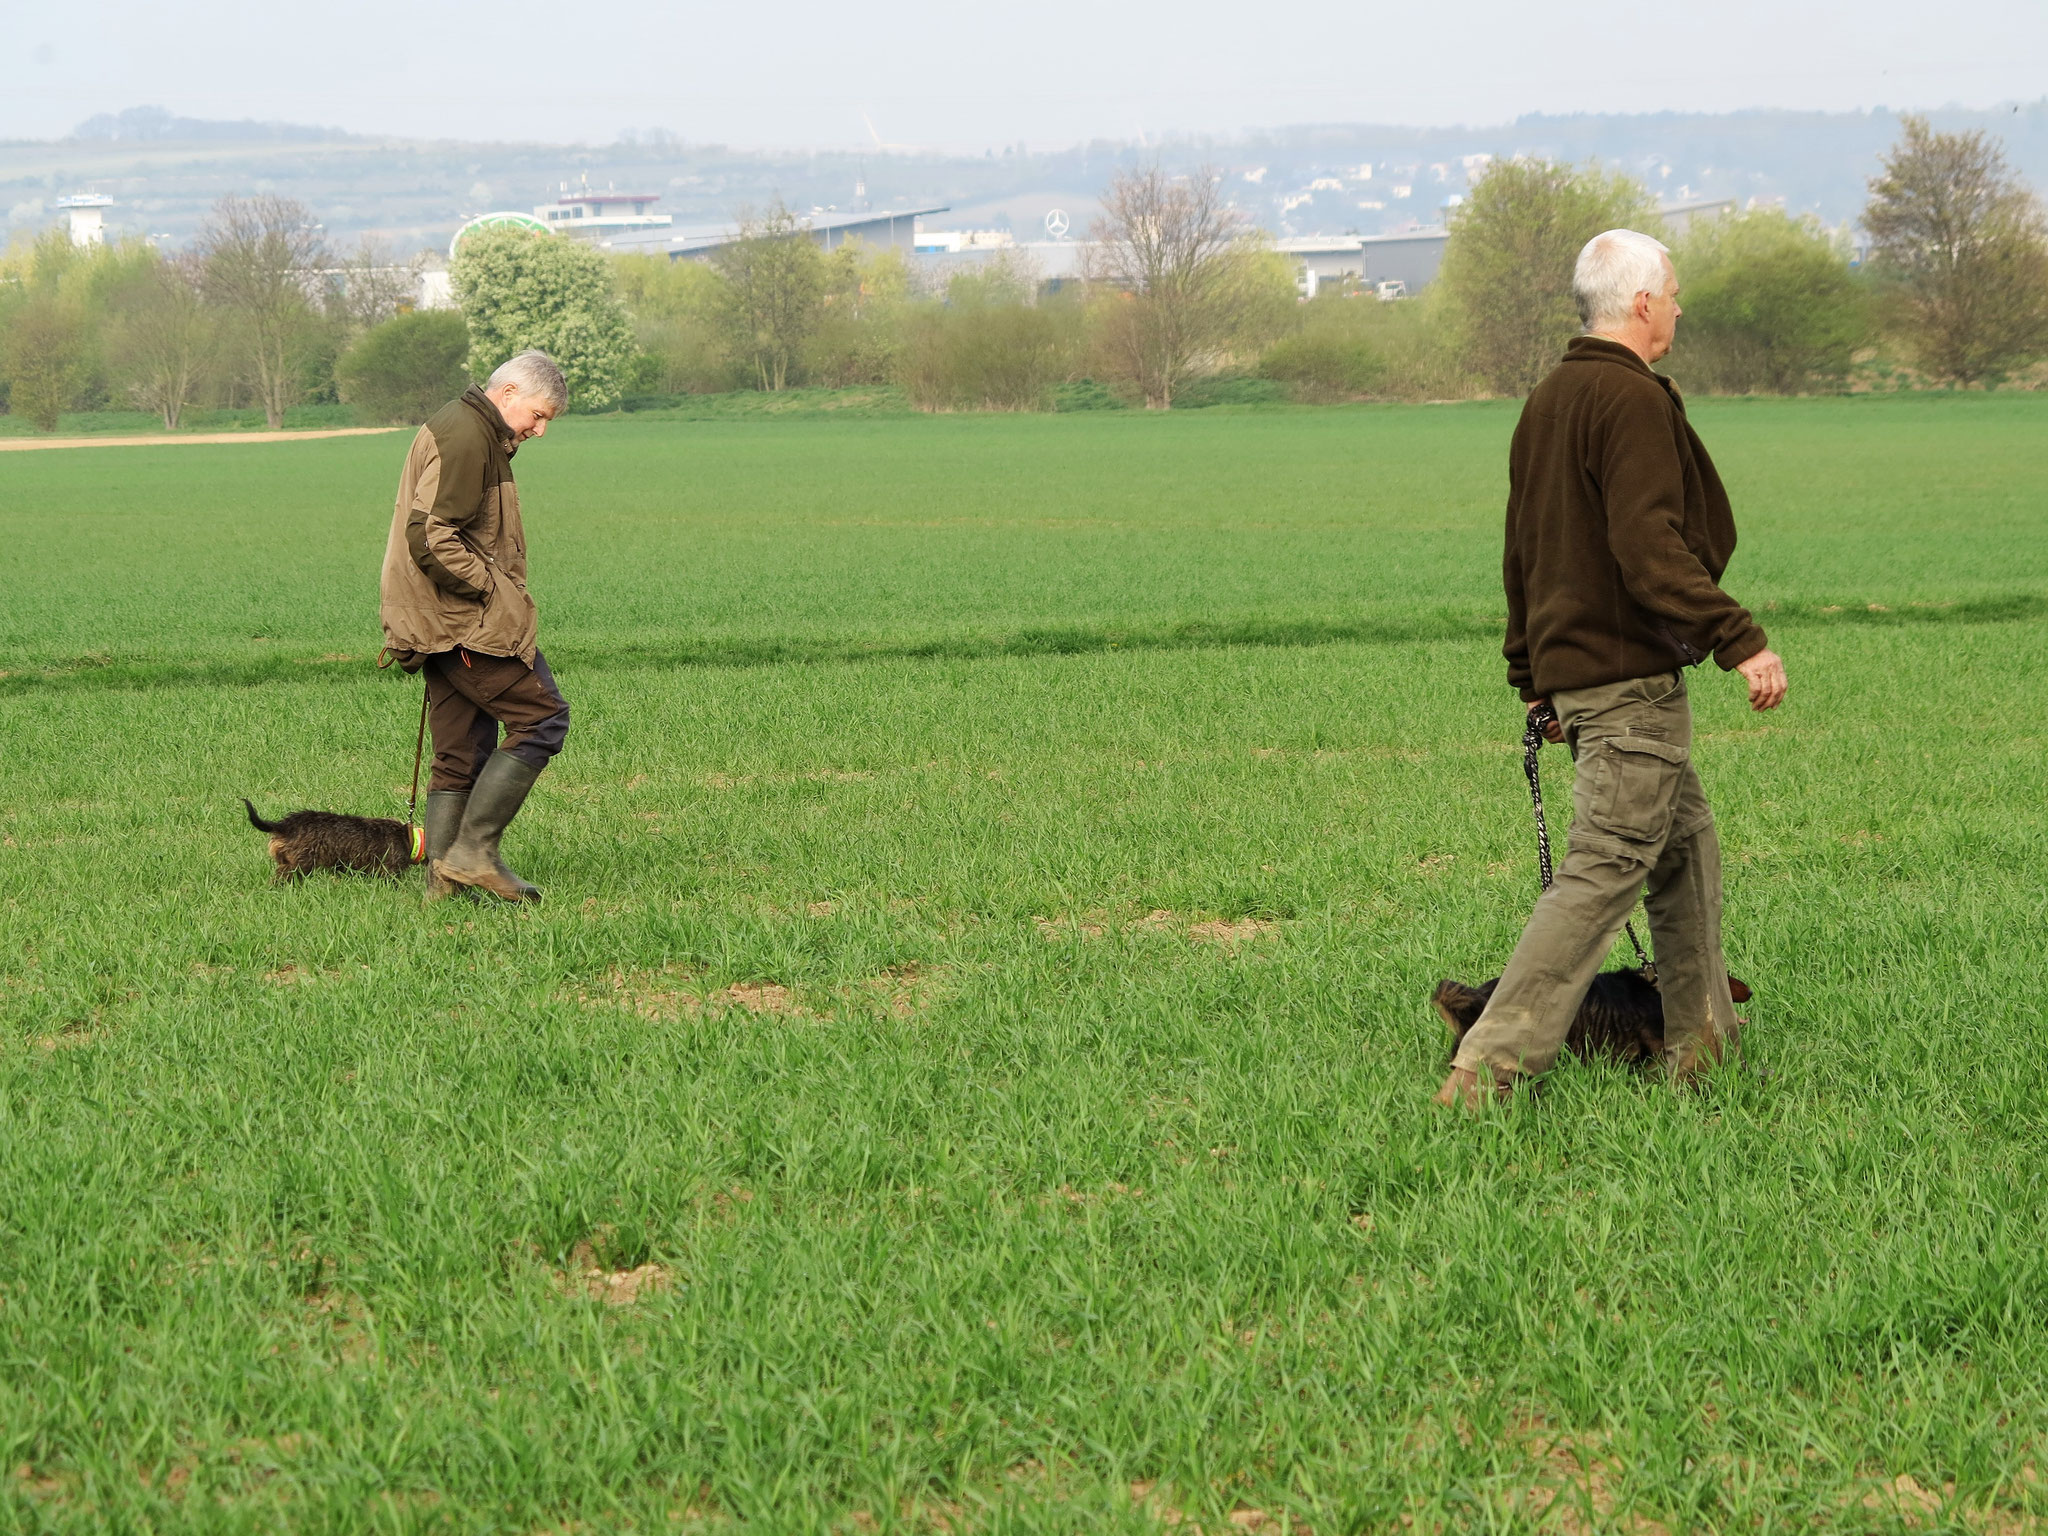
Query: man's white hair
{"points": [[536, 375], [1614, 267]]}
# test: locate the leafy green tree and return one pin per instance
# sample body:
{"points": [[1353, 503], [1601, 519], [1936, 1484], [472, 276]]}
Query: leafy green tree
{"points": [[774, 294], [160, 339], [44, 358], [1960, 249], [860, 331], [408, 367], [92, 282], [1771, 305], [521, 289], [676, 309], [1507, 271]]}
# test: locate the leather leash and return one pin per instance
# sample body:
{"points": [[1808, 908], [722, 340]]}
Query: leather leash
{"points": [[1532, 744], [416, 839]]}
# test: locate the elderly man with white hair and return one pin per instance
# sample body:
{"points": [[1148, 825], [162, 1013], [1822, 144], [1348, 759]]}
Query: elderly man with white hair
{"points": [[1618, 531], [455, 606]]}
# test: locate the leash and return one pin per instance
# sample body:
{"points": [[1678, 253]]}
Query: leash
{"points": [[415, 835], [1532, 744]]}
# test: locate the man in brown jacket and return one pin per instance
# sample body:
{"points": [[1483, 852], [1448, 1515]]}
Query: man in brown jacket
{"points": [[454, 605], [1618, 531]]}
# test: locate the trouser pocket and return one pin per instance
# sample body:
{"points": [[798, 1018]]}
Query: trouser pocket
{"points": [[1631, 787]]}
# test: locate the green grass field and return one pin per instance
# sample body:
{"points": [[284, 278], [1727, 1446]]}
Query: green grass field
{"points": [[971, 1070]]}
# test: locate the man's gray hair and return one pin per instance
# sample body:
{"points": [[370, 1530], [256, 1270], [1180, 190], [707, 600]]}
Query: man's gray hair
{"points": [[1614, 267], [536, 375]]}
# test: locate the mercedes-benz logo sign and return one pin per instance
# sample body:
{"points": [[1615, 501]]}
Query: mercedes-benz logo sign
{"points": [[1056, 223]]}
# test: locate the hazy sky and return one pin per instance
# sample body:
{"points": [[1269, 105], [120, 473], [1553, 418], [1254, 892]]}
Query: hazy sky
{"points": [[970, 74]]}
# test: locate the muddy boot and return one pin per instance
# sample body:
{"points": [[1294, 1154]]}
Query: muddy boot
{"points": [[1474, 1090], [494, 800], [444, 820], [1687, 1063]]}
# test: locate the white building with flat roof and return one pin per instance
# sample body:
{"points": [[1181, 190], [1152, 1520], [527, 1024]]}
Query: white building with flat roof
{"points": [[602, 215], [87, 210]]}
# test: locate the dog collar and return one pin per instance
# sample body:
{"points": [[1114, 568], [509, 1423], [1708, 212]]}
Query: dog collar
{"points": [[419, 845]]}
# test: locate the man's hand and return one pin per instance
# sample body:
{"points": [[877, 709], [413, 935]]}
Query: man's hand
{"points": [[1552, 730], [1765, 674]]}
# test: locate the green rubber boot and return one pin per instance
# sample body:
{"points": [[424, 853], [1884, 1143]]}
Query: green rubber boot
{"points": [[444, 820], [472, 860]]}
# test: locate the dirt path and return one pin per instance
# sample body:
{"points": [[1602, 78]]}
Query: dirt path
{"points": [[167, 439]]}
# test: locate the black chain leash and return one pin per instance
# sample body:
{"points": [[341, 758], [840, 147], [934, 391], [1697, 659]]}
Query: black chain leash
{"points": [[1532, 743]]}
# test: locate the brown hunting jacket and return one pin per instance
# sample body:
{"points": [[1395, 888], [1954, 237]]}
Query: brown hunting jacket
{"points": [[1618, 531], [455, 564]]}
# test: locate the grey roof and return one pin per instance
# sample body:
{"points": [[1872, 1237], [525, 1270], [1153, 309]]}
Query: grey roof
{"points": [[705, 239]]}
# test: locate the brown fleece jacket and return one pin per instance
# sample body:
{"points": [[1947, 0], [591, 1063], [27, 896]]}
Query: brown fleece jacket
{"points": [[455, 562], [1618, 531]]}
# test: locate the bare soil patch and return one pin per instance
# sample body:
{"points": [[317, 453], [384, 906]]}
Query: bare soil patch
{"points": [[674, 992], [586, 1276], [1242, 931], [1097, 924], [178, 440], [343, 1323]]}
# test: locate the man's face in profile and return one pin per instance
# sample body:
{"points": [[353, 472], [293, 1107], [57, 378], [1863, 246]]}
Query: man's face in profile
{"points": [[526, 416], [1664, 313]]}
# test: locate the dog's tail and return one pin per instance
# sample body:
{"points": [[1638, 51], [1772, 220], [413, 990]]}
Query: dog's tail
{"points": [[257, 821]]}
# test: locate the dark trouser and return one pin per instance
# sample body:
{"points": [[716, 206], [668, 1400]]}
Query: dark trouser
{"points": [[470, 696], [1640, 823]]}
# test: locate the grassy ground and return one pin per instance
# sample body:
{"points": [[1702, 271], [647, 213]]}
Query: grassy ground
{"points": [[971, 1069]]}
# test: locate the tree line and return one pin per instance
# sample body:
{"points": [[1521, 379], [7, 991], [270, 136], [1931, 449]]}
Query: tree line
{"points": [[1176, 287], [258, 313]]}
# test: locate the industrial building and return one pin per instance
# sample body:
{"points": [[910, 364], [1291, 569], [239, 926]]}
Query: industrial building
{"points": [[1410, 259], [882, 229]]}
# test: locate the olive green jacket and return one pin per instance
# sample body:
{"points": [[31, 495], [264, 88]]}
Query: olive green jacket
{"points": [[455, 564], [1618, 532]]}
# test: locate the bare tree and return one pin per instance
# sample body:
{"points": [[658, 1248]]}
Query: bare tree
{"points": [[162, 338], [1179, 260], [372, 285], [774, 294], [1961, 246], [262, 259]]}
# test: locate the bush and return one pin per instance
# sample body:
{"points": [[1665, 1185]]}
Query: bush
{"points": [[1770, 305], [988, 346], [1507, 270], [44, 359], [407, 368], [1325, 364], [1354, 348]]}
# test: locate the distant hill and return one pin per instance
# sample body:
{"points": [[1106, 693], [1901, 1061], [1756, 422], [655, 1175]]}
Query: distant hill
{"points": [[139, 124], [164, 171]]}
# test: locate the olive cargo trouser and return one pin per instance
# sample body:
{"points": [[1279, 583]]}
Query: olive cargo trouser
{"points": [[1639, 819], [469, 695]]}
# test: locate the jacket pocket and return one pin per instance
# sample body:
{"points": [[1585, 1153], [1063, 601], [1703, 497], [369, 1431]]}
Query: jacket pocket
{"points": [[1631, 786]]}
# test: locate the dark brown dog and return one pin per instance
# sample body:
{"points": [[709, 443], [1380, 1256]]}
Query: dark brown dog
{"points": [[308, 840], [1621, 1019]]}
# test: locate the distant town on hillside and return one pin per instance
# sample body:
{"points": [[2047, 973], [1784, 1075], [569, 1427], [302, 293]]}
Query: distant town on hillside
{"points": [[162, 172]]}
